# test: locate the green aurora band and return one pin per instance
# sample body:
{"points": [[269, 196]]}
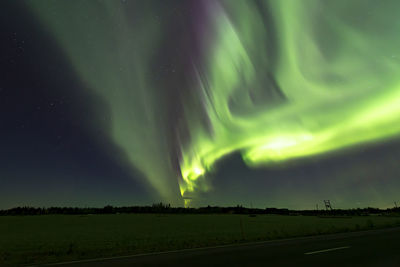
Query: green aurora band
{"points": [[113, 59], [337, 64], [280, 80]]}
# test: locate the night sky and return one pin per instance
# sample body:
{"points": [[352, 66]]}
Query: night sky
{"points": [[200, 102]]}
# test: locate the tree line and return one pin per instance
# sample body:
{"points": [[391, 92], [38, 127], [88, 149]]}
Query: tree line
{"points": [[166, 208]]}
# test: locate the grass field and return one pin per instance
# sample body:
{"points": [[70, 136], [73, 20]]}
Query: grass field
{"points": [[52, 238]]}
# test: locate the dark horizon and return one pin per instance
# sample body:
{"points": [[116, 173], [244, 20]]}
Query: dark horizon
{"points": [[167, 208]]}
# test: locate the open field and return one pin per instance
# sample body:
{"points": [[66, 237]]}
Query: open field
{"points": [[52, 238]]}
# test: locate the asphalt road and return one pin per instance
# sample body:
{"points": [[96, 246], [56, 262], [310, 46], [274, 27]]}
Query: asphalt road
{"points": [[368, 248]]}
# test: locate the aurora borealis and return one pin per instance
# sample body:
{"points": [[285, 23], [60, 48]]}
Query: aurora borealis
{"points": [[330, 90], [285, 86]]}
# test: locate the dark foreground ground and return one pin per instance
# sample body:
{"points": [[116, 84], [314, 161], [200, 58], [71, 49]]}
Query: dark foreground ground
{"points": [[29, 240], [366, 248]]}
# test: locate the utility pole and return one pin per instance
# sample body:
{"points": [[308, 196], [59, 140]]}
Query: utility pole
{"points": [[328, 205]]}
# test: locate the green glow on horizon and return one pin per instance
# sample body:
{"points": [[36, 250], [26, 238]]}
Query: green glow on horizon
{"points": [[338, 94]]}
